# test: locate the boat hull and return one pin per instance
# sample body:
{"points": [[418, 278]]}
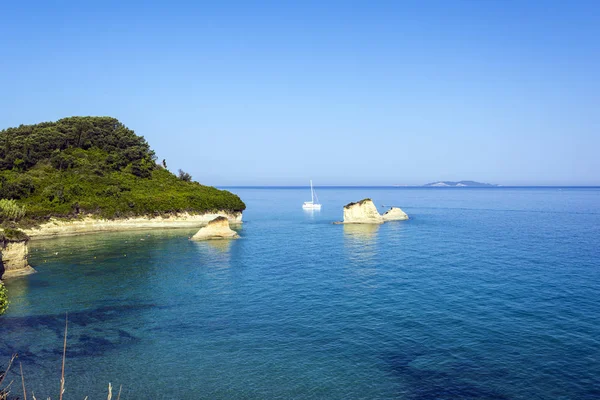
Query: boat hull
{"points": [[311, 206]]}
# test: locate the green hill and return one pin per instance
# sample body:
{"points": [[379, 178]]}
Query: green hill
{"points": [[92, 165]]}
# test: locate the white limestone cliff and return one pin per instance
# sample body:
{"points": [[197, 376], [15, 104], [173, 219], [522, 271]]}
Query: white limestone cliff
{"points": [[395, 214], [90, 224], [14, 260], [362, 212], [218, 228]]}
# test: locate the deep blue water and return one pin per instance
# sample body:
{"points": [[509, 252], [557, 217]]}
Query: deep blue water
{"points": [[482, 294]]}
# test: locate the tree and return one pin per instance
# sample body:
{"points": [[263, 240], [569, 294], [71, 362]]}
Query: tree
{"points": [[184, 176], [82, 126]]}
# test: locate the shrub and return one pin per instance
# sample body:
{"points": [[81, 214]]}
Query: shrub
{"points": [[10, 210], [142, 169], [13, 235], [184, 176], [3, 298], [61, 161], [55, 193], [16, 188]]}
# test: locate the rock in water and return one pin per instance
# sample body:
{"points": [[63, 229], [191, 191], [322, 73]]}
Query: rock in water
{"points": [[14, 260], [362, 212], [395, 214], [218, 228]]}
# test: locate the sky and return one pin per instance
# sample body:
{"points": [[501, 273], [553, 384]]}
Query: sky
{"points": [[340, 92]]}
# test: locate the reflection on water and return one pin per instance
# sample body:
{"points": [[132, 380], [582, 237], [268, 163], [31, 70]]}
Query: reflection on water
{"points": [[361, 232], [221, 246], [215, 252], [310, 213], [360, 241], [18, 288]]}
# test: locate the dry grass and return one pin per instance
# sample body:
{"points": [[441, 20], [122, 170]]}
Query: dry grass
{"points": [[5, 390]]}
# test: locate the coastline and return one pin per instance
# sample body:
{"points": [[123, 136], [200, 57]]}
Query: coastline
{"points": [[89, 224]]}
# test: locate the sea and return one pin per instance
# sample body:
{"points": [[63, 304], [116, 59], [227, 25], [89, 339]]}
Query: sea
{"points": [[484, 293]]}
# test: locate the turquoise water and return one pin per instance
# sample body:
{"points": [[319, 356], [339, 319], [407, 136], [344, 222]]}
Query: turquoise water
{"points": [[483, 294]]}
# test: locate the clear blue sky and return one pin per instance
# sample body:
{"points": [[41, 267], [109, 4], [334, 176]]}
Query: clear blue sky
{"points": [[343, 92]]}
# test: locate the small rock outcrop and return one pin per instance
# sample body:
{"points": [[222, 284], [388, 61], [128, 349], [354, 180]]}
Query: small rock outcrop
{"points": [[14, 259], [362, 212], [395, 214], [365, 212], [218, 228]]}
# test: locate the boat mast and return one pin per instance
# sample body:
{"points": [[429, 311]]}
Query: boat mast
{"points": [[312, 197]]}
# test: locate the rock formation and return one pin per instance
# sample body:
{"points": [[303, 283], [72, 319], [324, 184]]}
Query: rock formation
{"points": [[89, 224], [365, 212], [395, 214], [362, 212], [14, 259], [218, 228]]}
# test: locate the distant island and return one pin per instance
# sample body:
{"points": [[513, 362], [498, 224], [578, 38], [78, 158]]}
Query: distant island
{"points": [[94, 167], [459, 184]]}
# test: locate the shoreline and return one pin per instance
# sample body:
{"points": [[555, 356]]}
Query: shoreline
{"points": [[89, 225]]}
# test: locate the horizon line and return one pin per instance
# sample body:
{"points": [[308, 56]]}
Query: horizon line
{"points": [[410, 186]]}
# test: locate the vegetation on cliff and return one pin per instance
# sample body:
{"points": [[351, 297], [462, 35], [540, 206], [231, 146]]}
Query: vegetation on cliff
{"points": [[361, 202], [93, 165], [3, 298], [8, 235]]}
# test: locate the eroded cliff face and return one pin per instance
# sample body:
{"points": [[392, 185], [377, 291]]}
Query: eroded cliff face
{"points": [[14, 260], [93, 225], [362, 212], [395, 214], [218, 228]]}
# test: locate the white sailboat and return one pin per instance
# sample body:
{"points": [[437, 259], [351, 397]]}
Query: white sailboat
{"points": [[312, 204]]}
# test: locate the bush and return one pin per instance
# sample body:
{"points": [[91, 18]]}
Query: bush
{"points": [[54, 193], [16, 188], [60, 160], [10, 210], [142, 169], [13, 235], [3, 299], [184, 176]]}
